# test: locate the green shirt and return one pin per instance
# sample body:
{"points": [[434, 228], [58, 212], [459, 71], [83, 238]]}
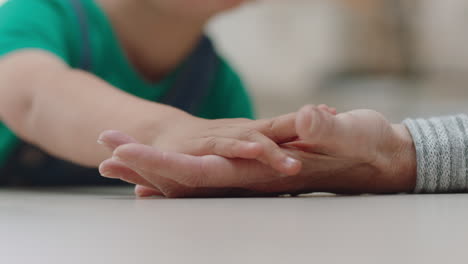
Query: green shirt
{"points": [[52, 25]]}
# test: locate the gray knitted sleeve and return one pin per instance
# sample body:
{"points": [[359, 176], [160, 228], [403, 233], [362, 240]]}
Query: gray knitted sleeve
{"points": [[442, 153]]}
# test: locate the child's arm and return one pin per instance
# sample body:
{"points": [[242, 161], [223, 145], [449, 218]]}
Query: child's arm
{"points": [[64, 110]]}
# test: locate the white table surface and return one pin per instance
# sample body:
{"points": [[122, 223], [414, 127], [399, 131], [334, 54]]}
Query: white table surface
{"points": [[95, 225]]}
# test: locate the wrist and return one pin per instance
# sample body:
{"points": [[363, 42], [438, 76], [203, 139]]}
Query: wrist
{"points": [[173, 123], [404, 165]]}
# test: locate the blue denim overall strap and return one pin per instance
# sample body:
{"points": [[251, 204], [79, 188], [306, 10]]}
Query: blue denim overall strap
{"points": [[83, 24], [193, 82], [195, 79], [31, 166]]}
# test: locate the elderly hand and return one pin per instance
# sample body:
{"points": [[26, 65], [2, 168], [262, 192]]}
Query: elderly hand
{"points": [[353, 152]]}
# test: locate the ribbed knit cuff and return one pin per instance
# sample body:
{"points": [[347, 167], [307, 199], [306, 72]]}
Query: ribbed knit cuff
{"points": [[442, 152]]}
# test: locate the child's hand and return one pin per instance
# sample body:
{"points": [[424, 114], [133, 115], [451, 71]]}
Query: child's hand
{"points": [[234, 138]]}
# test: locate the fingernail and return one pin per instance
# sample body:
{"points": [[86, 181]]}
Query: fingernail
{"points": [[290, 162], [100, 142], [105, 174]]}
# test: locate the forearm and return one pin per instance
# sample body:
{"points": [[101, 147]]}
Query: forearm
{"points": [[442, 151], [63, 111]]}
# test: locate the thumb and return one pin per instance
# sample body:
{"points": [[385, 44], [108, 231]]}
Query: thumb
{"points": [[321, 131], [113, 139], [282, 129], [279, 129]]}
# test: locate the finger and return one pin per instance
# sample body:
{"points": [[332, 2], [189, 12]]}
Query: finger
{"points": [[279, 129], [233, 148], [160, 167], [112, 139], [313, 124], [143, 191], [262, 149], [325, 107], [193, 171], [250, 144], [274, 156], [115, 169], [269, 133]]}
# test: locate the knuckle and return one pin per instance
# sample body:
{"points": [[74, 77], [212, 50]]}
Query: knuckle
{"points": [[231, 148], [271, 124], [249, 134], [211, 143]]}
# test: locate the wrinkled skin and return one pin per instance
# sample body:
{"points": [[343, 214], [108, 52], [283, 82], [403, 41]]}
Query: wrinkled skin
{"points": [[353, 152]]}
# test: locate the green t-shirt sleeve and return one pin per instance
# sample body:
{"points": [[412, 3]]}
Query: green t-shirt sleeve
{"points": [[36, 24], [229, 97]]}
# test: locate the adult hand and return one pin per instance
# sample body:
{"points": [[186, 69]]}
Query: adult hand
{"points": [[175, 174], [233, 138], [353, 152]]}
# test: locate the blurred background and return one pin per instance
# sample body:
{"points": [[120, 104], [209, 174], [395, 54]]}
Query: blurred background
{"points": [[404, 58]]}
